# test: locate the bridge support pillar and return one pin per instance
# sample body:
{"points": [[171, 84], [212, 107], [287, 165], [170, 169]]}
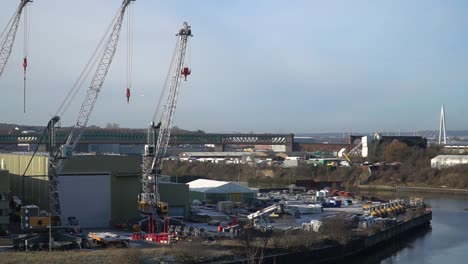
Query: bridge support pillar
{"points": [[219, 148]]}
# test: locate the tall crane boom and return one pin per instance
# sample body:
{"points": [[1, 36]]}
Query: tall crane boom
{"points": [[10, 36], [97, 81], [149, 201], [56, 159], [167, 117]]}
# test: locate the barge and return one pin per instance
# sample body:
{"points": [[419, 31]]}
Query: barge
{"points": [[337, 253]]}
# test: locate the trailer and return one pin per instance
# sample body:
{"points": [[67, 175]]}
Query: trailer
{"points": [[108, 239]]}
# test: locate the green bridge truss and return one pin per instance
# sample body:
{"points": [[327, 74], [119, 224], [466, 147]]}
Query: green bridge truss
{"points": [[108, 136]]}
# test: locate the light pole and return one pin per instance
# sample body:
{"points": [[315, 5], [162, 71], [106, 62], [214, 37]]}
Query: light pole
{"points": [[50, 232]]}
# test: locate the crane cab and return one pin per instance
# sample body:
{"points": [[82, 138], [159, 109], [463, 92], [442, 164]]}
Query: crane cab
{"points": [[185, 72], [145, 208], [149, 150], [144, 205]]}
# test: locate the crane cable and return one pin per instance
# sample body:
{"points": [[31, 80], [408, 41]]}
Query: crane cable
{"points": [[129, 51], [166, 82], [26, 50], [86, 71], [188, 56]]}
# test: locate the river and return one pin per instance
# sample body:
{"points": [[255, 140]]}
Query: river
{"points": [[445, 242]]}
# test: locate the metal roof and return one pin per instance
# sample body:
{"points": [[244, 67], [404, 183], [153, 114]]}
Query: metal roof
{"points": [[212, 186], [450, 157], [222, 154]]}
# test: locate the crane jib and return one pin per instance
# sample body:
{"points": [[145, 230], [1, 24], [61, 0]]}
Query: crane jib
{"points": [[103, 66], [149, 200], [10, 36]]}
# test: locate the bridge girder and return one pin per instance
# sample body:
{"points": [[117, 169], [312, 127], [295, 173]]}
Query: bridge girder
{"points": [[137, 137]]}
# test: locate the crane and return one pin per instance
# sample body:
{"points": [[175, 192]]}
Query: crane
{"points": [[103, 59], [149, 201], [10, 30], [260, 219], [57, 156]]}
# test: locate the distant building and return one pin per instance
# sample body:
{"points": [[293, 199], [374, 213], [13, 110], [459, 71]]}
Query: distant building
{"points": [[444, 161], [222, 157], [366, 143], [456, 149], [215, 191]]}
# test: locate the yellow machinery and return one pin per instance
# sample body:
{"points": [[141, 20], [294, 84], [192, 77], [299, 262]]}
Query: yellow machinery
{"points": [[37, 222], [145, 207]]}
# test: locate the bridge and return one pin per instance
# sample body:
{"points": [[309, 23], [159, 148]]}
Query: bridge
{"points": [[138, 137]]}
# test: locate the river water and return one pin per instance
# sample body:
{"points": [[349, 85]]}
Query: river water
{"points": [[445, 242]]}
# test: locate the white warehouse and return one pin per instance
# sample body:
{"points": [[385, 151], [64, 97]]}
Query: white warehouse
{"points": [[444, 161]]}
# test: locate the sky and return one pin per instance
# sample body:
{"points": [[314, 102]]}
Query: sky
{"points": [[265, 66]]}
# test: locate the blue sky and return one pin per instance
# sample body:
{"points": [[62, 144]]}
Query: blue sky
{"points": [[262, 66]]}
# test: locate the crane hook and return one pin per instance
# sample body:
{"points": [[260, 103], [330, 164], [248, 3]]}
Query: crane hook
{"points": [[128, 95]]}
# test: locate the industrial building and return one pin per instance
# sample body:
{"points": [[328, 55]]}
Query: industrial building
{"points": [[227, 157], [97, 190], [4, 201], [214, 191], [444, 161]]}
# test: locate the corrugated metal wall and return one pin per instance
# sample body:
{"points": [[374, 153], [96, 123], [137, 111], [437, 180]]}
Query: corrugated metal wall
{"points": [[35, 181], [4, 203], [125, 174]]}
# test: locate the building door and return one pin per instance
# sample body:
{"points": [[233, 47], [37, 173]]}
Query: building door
{"points": [[86, 197]]}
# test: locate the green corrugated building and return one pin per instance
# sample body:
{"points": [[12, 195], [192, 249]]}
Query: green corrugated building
{"points": [[214, 191], [96, 189], [4, 201]]}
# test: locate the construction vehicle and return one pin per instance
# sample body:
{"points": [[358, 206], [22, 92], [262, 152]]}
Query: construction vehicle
{"points": [[40, 228], [9, 34], [57, 155], [149, 202], [354, 151], [259, 219], [108, 239]]}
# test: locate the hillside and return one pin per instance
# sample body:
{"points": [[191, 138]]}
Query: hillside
{"points": [[413, 169]]}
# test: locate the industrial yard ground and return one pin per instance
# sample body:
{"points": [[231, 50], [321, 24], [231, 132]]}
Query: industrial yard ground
{"points": [[277, 248], [340, 236]]}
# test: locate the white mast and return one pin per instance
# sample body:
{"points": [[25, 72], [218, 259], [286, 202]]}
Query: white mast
{"points": [[442, 127]]}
